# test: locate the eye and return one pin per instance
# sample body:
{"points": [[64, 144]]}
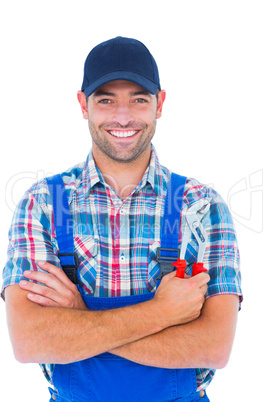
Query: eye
{"points": [[141, 100], [105, 101]]}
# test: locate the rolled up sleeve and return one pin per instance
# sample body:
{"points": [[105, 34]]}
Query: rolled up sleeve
{"points": [[222, 256], [30, 241]]}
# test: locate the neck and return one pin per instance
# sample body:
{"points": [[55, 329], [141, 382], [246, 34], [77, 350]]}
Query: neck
{"points": [[123, 177]]}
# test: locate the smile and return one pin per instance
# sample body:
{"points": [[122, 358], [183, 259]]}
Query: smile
{"points": [[123, 134]]}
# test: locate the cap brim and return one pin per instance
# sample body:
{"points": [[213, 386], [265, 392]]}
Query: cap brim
{"points": [[138, 79]]}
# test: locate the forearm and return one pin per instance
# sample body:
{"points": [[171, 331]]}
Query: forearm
{"points": [[67, 334], [165, 349], [204, 342], [61, 335]]}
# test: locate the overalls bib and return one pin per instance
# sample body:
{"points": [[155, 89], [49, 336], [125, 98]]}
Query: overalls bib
{"points": [[106, 377]]}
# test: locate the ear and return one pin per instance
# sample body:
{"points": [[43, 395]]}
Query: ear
{"points": [[161, 100], [83, 103]]}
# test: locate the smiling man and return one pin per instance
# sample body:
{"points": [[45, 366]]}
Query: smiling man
{"points": [[125, 112], [90, 287], [122, 120]]}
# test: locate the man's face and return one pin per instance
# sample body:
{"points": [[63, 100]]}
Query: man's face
{"points": [[122, 120]]}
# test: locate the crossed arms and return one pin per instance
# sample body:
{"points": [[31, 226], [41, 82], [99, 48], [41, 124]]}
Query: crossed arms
{"points": [[176, 329]]}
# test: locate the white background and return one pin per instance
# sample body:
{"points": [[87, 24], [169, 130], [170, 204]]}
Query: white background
{"points": [[212, 57]]}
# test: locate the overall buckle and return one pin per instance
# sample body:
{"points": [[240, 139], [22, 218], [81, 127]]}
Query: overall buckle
{"points": [[71, 269], [166, 260]]}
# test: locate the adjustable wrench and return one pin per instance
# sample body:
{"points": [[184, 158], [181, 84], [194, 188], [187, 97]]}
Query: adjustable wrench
{"points": [[195, 226]]}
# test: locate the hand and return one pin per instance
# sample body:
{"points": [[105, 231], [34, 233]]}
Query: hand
{"points": [[58, 292], [181, 300]]}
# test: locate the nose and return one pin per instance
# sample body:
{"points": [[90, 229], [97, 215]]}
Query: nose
{"points": [[123, 114]]}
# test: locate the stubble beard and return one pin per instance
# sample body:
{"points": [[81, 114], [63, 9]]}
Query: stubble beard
{"points": [[122, 156]]}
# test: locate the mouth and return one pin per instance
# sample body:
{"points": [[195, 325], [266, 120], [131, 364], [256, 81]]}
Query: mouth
{"points": [[123, 134]]}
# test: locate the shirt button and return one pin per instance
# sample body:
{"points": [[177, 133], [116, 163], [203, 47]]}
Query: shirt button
{"points": [[201, 394], [122, 211], [122, 258]]}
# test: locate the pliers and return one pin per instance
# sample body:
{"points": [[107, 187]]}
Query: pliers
{"points": [[193, 225]]}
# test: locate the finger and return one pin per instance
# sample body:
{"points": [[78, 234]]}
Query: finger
{"points": [[54, 277], [46, 278], [204, 289], [56, 271], [170, 275], [42, 301], [201, 279], [45, 292], [37, 289]]}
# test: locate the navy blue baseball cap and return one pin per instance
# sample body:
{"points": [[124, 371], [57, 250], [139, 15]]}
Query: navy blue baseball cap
{"points": [[120, 59]]}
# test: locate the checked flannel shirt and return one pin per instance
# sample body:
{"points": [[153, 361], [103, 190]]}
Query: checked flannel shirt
{"points": [[116, 240]]}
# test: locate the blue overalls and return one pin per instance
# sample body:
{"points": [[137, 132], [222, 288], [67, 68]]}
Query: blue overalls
{"points": [[106, 377]]}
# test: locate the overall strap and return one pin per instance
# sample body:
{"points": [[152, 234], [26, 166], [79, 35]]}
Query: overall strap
{"points": [[63, 227], [169, 252]]}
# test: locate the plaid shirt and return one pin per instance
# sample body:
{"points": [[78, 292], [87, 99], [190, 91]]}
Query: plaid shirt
{"points": [[116, 240]]}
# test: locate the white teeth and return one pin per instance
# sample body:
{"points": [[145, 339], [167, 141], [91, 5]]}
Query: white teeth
{"points": [[123, 134]]}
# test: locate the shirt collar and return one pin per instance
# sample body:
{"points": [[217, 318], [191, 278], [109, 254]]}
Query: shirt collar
{"points": [[91, 174], [153, 175]]}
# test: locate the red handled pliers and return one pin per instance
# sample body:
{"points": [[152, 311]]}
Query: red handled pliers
{"points": [[195, 226]]}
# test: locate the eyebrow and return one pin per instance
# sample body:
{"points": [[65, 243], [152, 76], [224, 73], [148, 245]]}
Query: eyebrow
{"points": [[99, 92], [144, 93]]}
